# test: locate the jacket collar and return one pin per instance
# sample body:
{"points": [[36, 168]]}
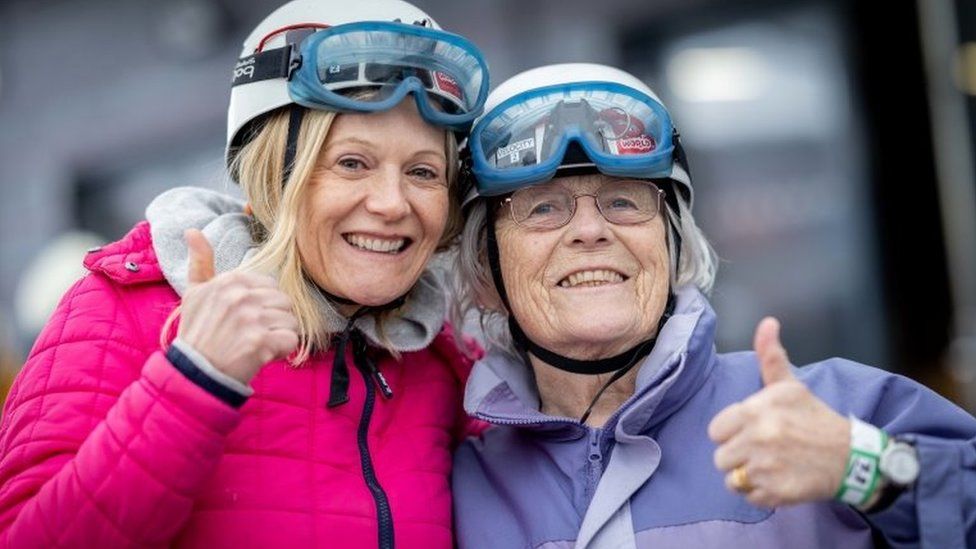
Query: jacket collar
{"points": [[130, 260]]}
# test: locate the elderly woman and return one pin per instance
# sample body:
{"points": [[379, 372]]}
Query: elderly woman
{"points": [[248, 429], [617, 423]]}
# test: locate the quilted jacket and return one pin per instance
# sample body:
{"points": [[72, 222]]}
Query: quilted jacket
{"points": [[103, 443]]}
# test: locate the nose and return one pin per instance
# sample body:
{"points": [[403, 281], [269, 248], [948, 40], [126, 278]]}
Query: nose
{"points": [[386, 196], [588, 227]]}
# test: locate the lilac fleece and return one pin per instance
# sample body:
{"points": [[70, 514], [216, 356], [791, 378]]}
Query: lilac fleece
{"points": [[646, 479]]}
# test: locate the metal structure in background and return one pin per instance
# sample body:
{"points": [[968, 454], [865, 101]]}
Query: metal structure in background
{"points": [[952, 142]]}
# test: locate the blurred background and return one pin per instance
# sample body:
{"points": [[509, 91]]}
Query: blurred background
{"points": [[831, 144]]}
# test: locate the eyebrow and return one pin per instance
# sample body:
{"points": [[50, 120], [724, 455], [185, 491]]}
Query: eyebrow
{"points": [[351, 139], [366, 143]]}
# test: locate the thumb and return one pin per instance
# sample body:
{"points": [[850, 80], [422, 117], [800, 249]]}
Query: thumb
{"points": [[774, 365], [201, 267]]}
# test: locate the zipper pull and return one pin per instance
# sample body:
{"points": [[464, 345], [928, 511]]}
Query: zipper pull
{"points": [[381, 383], [379, 378]]}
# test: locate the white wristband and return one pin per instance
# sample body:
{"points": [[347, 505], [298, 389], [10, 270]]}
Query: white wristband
{"points": [[862, 477]]}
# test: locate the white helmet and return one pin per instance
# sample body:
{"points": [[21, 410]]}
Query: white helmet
{"points": [[519, 105], [249, 102]]}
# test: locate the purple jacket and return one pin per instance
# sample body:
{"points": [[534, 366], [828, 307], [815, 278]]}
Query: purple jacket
{"points": [[646, 479]]}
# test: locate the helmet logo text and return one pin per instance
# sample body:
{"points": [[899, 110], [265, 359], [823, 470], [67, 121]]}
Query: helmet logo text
{"points": [[244, 68]]}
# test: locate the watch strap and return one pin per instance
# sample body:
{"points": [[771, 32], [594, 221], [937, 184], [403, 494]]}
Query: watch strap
{"points": [[862, 476]]}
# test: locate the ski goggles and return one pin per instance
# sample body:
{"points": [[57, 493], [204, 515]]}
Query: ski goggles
{"points": [[525, 139], [325, 68]]}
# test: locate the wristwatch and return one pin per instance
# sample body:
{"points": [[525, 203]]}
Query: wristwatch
{"points": [[899, 468], [899, 463]]}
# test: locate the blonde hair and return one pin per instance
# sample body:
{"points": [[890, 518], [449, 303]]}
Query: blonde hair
{"points": [[258, 166]]}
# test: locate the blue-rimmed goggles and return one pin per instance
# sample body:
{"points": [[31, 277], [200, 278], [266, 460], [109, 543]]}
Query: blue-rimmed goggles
{"points": [[525, 139], [325, 68]]}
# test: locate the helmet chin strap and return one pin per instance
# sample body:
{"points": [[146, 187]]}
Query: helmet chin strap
{"points": [[332, 297], [619, 363], [396, 302], [295, 115]]}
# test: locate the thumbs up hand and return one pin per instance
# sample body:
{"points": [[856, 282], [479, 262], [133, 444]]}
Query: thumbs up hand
{"points": [[781, 445], [238, 321]]}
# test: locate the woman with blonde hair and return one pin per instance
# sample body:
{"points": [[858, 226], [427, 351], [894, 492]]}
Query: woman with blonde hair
{"points": [[276, 372]]}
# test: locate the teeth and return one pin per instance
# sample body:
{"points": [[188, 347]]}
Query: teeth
{"points": [[376, 244], [591, 278]]}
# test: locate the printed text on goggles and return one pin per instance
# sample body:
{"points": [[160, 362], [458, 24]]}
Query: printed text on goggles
{"points": [[395, 58], [524, 140]]}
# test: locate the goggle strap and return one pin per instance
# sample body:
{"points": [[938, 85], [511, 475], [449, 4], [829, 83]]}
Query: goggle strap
{"points": [[265, 65]]}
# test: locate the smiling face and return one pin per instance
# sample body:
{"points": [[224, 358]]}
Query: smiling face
{"points": [[376, 205], [589, 289]]}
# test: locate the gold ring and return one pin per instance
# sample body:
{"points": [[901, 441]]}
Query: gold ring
{"points": [[740, 480]]}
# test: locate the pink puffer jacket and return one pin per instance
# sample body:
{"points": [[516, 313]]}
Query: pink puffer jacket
{"points": [[103, 443]]}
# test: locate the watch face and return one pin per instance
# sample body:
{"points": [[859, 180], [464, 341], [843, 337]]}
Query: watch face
{"points": [[900, 464]]}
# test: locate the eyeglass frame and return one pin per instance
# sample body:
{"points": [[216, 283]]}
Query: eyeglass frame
{"points": [[507, 201]]}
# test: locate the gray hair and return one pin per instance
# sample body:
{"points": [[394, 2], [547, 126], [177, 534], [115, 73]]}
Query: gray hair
{"points": [[476, 296]]}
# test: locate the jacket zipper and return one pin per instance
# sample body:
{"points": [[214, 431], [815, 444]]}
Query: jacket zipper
{"points": [[595, 464], [383, 515], [498, 420]]}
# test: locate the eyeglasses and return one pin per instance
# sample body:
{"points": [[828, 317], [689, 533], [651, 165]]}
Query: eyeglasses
{"points": [[550, 206]]}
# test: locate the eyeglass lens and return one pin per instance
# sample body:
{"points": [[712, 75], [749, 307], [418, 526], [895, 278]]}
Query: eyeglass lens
{"points": [[552, 206]]}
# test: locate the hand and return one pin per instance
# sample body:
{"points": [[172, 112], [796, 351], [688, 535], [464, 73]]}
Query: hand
{"points": [[793, 447], [238, 321]]}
